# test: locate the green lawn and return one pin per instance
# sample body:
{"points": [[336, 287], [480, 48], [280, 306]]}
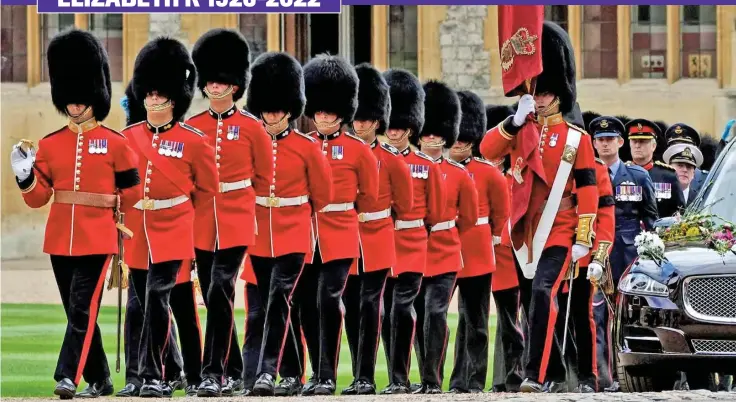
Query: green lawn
{"points": [[32, 334]]}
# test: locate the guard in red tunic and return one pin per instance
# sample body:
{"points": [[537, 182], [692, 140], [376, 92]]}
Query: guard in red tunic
{"points": [[365, 286], [444, 259], [301, 184], [479, 260], [563, 197], [331, 86], [410, 236], [509, 343], [91, 173], [180, 175], [226, 226]]}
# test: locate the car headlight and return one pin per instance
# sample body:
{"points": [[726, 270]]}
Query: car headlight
{"points": [[641, 284]]}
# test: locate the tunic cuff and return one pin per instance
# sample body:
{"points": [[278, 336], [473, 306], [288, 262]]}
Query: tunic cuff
{"points": [[507, 128], [602, 252], [585, 234], [27, 185]]}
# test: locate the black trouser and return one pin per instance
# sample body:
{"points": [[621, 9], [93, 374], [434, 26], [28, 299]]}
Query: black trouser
{"points": [[277, 278], [509, 343], [293, 359], [134, 310], [431, 305], [217, 272], [581, 338], [184, 307], [525, 300], [156, 318], [254, 320], [471, 340], [362, 298], [604, 347], [319, 300], [543, 364], [80, 281], [399, 323]]}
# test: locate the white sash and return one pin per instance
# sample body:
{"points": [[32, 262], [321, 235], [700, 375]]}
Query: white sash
{"points": [[550, 210]]}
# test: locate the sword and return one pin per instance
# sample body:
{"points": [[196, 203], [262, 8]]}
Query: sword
{"points": [[571, 271], [118, 276]]}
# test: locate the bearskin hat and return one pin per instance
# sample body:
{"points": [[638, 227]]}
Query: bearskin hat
{"points": [[79, 72], [277, 85], [135, 112], [473, 119], [208, 55], [575, 117], [407, 100], [441, 112], [331, 86], [495, 114], [374, 100], [165, 66], [709, 149], [661, 140], [558, 63]]}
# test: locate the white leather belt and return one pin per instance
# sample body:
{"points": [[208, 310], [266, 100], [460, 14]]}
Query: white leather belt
{"points": [[446, 225], [236, 185], [374, 216], [483, 220], [278, 202], [401, 225], [152, 205], [345, 206]]}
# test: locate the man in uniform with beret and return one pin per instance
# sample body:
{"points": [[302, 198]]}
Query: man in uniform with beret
{"points": [[92, 174], [635, 207], [683, 154], [642, 135]]}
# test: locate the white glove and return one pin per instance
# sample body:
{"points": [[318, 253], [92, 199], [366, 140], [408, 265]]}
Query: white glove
{"points": [[526, 105], [595, 272], [496, 240], [22, 165], [578, 252]]}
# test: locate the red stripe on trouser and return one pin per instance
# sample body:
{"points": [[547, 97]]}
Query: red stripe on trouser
{"points": [[288, 318], [164, 350], [304, 356], [196, 318], [447, 331], [94, 305], [230, 331], [594, 337], [413, 333], [551, 320], [339, 332], [380, 322]]}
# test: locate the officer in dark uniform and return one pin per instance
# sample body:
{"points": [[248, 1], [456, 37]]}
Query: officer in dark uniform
{"points": [[642, 136], [683, 154], [636, 204]]}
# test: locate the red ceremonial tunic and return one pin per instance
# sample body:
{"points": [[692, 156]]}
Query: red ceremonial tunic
{"points": [[605, 223], [500, 141], [461, 206], [88, 158], [242, 151], [429, 200], [354, 175], [301, 179], [247, 274], [167, 234], [395, 191], [493, 213], [505, 276]]}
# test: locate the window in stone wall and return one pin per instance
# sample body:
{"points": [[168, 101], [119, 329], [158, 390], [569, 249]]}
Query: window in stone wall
{"points": [[698, 41], [109, 29], [599, 42], [14, 61], [648, 41], [402, 38], [556, 14], [253, 27], [51, 24]]}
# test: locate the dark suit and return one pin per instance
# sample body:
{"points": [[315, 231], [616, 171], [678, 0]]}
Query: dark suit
{"points": [[636, 206]]}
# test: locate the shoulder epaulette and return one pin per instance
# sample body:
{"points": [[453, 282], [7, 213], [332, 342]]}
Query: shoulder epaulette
{"points": [[600, 161], [134, 124], [582, 130], [307, 136], [248, 114], [111, 130], [390, 148], [192, 129], [55, 132], [481, 160], [453, 163], [664, 165], [423, 155], [355, 137], [198, 114]]}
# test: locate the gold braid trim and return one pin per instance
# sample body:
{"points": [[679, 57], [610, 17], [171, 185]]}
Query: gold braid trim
{"points": [[585, 234], [601, 253], [504, 133]]}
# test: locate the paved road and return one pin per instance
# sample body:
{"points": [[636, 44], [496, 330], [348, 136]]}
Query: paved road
{"points": [[602, 397]]}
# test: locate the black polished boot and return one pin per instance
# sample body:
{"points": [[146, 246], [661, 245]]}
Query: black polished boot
{"points": [[65, 389], [209, 388]]}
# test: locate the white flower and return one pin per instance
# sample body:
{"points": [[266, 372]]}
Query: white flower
{"points": [[649, 246]]}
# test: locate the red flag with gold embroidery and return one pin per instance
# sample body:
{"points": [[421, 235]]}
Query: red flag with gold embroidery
{"points": [[519, 36]]}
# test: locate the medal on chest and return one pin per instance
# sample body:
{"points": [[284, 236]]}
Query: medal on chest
{"points": [[173, 149], [663, 190], [553, 140], [338, 152], [628, 191], [419, 171], [233, 132], [97, 146]]}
